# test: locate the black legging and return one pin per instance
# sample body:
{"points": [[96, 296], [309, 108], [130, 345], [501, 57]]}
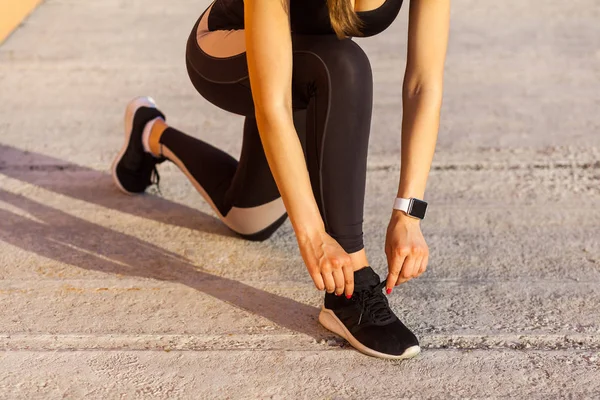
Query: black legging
{"points": [[332, 94]]}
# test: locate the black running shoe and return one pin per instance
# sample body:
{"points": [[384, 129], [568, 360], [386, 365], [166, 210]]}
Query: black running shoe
{"points": [[134, 169], [366, 320]]}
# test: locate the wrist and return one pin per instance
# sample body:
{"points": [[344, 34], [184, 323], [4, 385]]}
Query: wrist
{"points": [[399, 216], [308, 227], [411, 207], [408, 192]]}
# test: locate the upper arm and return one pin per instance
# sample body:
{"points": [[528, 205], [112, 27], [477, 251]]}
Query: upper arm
{"points": [[269, 53], [428, 30]]}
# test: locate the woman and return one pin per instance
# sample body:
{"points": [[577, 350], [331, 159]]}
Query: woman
{"points": [[305, 89]]}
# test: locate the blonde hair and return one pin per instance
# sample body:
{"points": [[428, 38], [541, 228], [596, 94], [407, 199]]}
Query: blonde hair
{"points": [[343, 18]]}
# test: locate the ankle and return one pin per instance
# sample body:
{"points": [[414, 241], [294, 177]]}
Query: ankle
{"points": [[359, 260], [151, 136]]}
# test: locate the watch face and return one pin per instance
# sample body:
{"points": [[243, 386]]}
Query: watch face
{"points": [[418, 208]]}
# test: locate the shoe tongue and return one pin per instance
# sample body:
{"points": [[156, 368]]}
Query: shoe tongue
{"points": [[365, 278]]}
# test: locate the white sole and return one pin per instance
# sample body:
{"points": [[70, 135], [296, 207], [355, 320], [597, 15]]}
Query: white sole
{"points": [[130, 111], [328, 319]]}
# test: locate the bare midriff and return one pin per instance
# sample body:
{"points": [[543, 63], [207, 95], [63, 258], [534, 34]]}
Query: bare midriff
{"points": [[367, 5]]}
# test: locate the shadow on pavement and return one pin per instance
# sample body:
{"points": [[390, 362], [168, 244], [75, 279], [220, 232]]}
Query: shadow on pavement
{"points": [[97, 188], [72, 240]]}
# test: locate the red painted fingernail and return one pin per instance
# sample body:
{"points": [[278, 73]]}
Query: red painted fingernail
{"points": [[348, 296], [389, 290], [338, 294]]}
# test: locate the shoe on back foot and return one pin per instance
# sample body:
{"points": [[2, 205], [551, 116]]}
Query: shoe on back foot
{"points": [[366, 320], [134, 169]]}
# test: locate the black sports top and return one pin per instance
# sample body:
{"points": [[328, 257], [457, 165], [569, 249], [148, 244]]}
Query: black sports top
{"points": [[309, 17]]}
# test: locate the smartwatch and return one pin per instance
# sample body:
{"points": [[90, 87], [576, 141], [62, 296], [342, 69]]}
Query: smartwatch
{"points": [[412, 207]]}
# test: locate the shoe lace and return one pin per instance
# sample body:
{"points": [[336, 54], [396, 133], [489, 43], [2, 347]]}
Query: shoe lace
{"points": [[155, 179], [374, 304]]}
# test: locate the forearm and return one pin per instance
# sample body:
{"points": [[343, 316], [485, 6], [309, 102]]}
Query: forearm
{"points": [[286, 160], [420, 124], [428, 27], [269, 55]]}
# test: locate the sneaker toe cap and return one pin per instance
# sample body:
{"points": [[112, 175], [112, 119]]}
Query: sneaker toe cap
{"points": [[130, 181], [393, 339]]}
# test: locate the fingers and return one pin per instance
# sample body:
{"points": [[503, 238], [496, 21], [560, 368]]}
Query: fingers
{"points": [[408, 268], [401, 281], [329, 281], [341, 274], [330, 266], [338, 277], [406, 265], [348, 280], [406, 250], [318, 280], [423, 266], [395, 262]]}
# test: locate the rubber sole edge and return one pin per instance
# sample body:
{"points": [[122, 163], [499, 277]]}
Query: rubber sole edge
{"points": [[330, 321], [130, 111]]}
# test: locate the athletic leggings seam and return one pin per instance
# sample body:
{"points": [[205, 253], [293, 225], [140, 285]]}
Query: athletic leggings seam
{"points": [[326, 123], [321, 194], [208, 69], [191, 64]]}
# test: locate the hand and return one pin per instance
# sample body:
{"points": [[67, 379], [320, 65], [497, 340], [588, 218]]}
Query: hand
{"points": [[405, 248], [328, 264]]}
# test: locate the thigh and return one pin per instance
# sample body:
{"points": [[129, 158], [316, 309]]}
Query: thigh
{"points": [[233, 97], [217, 66]]}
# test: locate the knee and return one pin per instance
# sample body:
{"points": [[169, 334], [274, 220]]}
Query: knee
{"points": [[347, 62], [330, 61]]}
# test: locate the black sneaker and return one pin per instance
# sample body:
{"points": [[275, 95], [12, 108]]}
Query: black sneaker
{"points": [[134, 169], [366, 320]]}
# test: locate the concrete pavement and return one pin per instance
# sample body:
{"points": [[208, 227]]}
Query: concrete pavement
{"points": [[108, 296]]}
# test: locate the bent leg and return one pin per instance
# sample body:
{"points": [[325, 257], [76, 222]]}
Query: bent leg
{"points": [[245, 199], [334, 77], [243, 194]]}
